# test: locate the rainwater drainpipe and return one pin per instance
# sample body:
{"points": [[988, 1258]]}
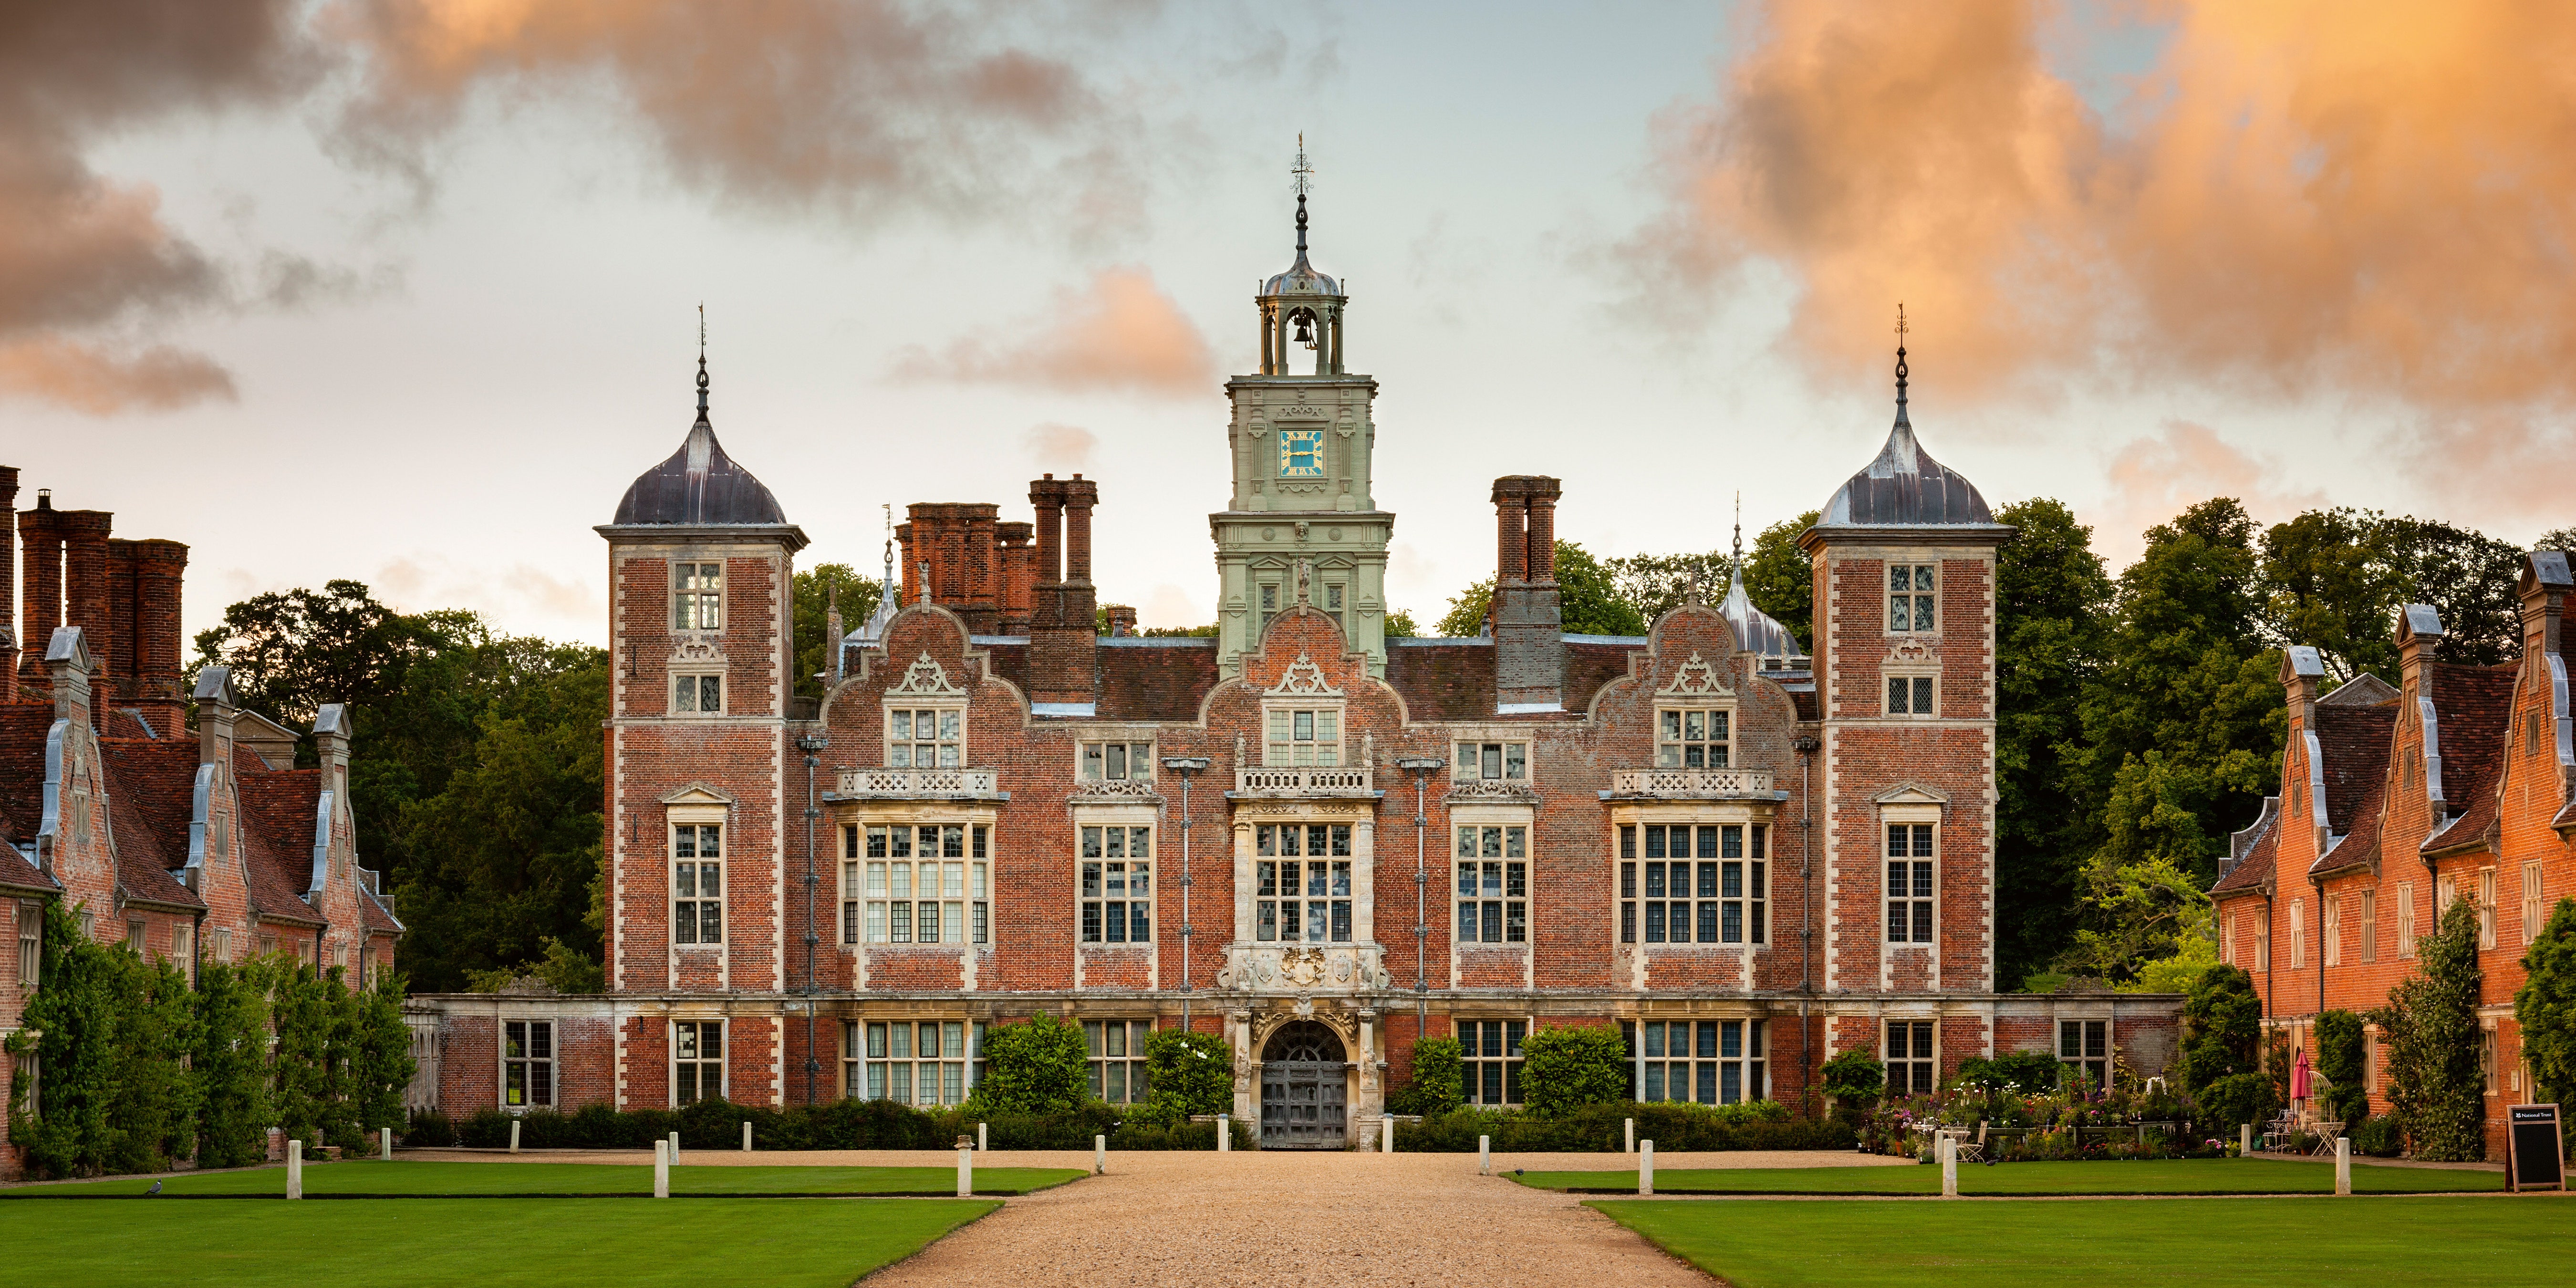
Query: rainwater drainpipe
{"points": [[1806, 749], [2318, 884], [810, 744], [1187, 767], [1422, 768]]}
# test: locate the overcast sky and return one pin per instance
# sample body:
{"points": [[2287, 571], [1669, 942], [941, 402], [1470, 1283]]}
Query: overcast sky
{"points": [[406, 291]]}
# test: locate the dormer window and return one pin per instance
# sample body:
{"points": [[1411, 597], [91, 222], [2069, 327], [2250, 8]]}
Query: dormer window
{"points": [[1910, 592], [1505, 761], [1300, 736], [697, 596], [925, 738], [1691, 738], [1117, 761]]}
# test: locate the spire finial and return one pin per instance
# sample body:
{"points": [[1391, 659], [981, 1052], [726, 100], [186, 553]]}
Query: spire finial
{"points": [[1739, 530], [1900, 359], [702, 360], [1301, 177]]}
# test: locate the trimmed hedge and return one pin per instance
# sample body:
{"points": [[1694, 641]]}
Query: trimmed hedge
{"points": [[1599, 1128], [846, 1124]]}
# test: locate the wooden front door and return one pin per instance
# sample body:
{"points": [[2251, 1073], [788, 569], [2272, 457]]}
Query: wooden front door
{"points": [[1303, 1089]]}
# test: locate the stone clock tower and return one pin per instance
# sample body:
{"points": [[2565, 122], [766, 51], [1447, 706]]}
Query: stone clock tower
{"points": [[1303, 519]]}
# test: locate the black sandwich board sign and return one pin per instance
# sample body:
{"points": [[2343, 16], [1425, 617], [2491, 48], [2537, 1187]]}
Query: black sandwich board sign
{"points": [[2536, 1157]]}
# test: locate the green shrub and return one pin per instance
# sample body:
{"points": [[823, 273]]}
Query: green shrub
{"points": [[844, 1125], [2024, 1071], [112, 1036], [1600, 1128], [2339, 1057], [2222, 1021], [2237, 1099], [2379, 1136], [1434, 1089], [1564, 1069], [231, 1067], [2432, 1025], [2545, 1007], [380, 1063], [1187, 1073], [1037, 1067], [428, 1129], [1854, 1079]]}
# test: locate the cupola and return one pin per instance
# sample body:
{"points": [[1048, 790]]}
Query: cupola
{"points": [[699, 485]]}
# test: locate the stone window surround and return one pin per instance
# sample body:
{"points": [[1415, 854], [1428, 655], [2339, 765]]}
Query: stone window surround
{"points": [[501, 1062], [867, 814], [1360, 817], [1912, 813], [721, 1062], [685, 585], [1890, 594], [1129, 816], [1910, 672], [1290, 704], [1719, 813], [1446, 875], [673, 816]]}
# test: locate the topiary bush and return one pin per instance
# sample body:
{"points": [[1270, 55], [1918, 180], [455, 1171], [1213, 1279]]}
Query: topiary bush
{"points": [[1565, 1069], [1435, 1087], [1854, 1079], [1040, 1066], [1188, 1073]]}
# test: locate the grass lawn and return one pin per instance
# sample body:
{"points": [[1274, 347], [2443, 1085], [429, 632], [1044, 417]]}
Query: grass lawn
{"points": [[469, 1179], [2157, 1176], [543, 1243], [2292, 1243]]}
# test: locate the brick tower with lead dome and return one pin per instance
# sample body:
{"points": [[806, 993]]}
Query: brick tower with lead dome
{"points": [[1302, 443]]}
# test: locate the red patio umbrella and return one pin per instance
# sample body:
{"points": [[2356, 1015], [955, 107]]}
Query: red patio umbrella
{"points": [[2300, 1077]]}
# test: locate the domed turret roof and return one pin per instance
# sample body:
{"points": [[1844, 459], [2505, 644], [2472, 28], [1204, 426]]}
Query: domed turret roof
{"points": [[1755, 630], [699, 485], [1905, 487]]}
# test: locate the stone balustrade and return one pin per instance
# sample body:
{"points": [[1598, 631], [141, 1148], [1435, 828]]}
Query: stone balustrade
{"points": [[1306, 780], [920, 784], [1692, 784]]}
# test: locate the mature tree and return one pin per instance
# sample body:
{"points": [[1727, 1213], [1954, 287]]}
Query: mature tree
{"points": [[2339, 1061], [1399, 626], [2222, 1028], [2183, 726], [2052, 602], [1587, 596], [1657, 584], [475, 776], [2336, 578], [814, 588], [2561, 540]]}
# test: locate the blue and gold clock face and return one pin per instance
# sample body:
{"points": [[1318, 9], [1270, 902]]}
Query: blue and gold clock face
{"points": [[1301, 453]]}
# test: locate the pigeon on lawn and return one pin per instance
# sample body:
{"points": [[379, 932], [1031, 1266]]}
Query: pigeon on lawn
{"points": [[156, 1188]]}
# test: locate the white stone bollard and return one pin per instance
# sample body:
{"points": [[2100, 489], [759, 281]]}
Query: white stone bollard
{"points": [[2245, 1140], [1386, 1134], [514, 1135], [1949, 1166], [295, 1169], [1484, 1156], [1225, 1133], [1631, 1133], [2343, 1165], [965, 1170], [661, 1169], [1099, 1155], [1646, 1167], [746, 1136], [675, 1147], [980, 1146], [385, 1138]]}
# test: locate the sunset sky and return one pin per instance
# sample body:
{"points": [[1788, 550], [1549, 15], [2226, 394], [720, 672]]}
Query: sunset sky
{"points": [[406, 291]]}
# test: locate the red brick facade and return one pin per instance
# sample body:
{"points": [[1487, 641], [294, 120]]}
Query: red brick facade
{"points": [[1109, 816], [2393, 801], [193, 847]]}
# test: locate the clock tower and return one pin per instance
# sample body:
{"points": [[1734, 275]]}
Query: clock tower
{"points": [[1303, 519]]}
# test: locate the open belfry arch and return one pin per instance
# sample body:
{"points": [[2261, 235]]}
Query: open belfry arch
{"points": [[1313, 842]]}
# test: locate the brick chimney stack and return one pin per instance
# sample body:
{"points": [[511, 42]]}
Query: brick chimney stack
{"points": [[1064, 632], [1019, 574], [88, 598], [1122, 621], [145, 579], [8, 583], [41, 534], [2546, 585], [949, 559], [1529, 643]]}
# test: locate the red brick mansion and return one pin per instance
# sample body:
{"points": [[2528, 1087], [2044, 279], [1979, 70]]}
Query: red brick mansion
{"points": [[1316, 841]]}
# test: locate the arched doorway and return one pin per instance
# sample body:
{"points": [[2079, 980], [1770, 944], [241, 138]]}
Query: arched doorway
{"points": [[1303, 1088]]}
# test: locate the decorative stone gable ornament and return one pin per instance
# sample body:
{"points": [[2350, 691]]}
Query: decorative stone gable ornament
{"points": [[925, 676], [1696, 679], [1304, 679], [697, 653], [1913, 651], [1304, 967]]}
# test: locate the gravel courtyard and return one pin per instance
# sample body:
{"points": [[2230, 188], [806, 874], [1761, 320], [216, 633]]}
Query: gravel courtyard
{"points": [[1282, 1218]]}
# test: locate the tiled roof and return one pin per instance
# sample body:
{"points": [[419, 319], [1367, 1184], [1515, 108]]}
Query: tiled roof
{"points": [[277, 840], [1154, 679], [17, 873], [2256, 867], [1589, 667], [122, 722], [2369, 815], [2475, 704], [23, 726], [2354, 743], [375, 915], [1443, 679], [151, 786]]}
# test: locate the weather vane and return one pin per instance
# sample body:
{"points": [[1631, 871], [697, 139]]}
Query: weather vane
{"points": [[1900, 324], [1301, 174]]}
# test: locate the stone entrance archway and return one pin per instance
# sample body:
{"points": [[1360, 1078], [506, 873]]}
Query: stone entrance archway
{"points": [[1304, 1088]]}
